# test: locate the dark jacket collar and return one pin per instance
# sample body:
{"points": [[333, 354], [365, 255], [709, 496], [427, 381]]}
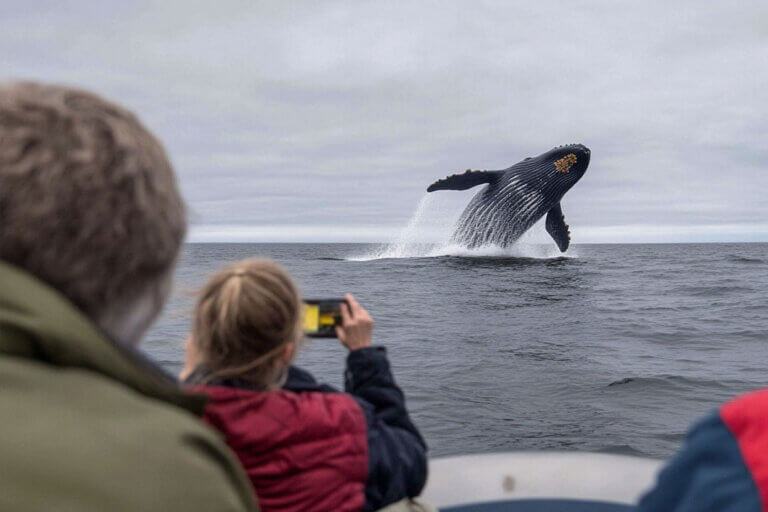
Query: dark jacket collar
{"points": [[38, 323], [298, 380]]}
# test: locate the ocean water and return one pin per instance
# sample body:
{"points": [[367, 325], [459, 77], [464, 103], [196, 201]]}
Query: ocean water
{"points": [[614, 348]]}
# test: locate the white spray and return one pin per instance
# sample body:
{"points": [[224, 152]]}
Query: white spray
{"points": [[428, 234]]}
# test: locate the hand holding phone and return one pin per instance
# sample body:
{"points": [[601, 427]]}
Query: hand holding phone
{"points": [[338, 318], [356, 329]]}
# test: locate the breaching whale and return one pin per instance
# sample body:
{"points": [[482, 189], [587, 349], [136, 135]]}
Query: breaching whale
{"points": [[515, 198]]}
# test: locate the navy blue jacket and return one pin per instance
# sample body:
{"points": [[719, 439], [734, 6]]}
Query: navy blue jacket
{"points": [[397, 454]]}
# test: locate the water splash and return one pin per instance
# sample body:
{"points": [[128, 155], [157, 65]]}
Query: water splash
{"points": [[406, 245], [429, 230]]}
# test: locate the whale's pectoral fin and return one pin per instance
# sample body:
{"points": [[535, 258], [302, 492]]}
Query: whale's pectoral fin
{"points": [[557, 227], [465, 180]]}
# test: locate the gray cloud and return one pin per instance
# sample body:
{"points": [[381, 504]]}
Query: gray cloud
{"points": [[338, 114]]}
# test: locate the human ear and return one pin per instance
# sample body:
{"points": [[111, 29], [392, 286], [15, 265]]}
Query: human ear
{"points": [[288, 353], [191, 359]]}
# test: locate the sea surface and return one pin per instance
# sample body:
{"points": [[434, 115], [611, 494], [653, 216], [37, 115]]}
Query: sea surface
{"points": [[614, 348]]}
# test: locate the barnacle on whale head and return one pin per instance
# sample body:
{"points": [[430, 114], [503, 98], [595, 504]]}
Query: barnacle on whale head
{"points": [[564, 164]]}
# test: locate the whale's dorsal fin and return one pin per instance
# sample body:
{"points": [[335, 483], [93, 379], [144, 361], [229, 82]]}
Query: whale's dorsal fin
{"points": [[465, 180], [557, 227]]}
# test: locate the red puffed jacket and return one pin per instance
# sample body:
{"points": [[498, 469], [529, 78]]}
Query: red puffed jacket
{"points": [[309, 447]]}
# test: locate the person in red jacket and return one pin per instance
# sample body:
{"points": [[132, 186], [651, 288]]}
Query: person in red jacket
{"points": [[304, 445], [723, 464]]}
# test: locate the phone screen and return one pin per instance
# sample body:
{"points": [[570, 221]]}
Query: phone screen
{"points": [[321, 316]]}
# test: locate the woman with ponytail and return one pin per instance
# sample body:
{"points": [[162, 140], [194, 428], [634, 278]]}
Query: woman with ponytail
{"points": [[304, 445]]}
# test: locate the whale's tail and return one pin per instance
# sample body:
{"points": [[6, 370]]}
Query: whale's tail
{"points": [[465, 180]]}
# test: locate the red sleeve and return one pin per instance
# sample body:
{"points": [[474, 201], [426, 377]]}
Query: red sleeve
{"points": [[747, 419]]}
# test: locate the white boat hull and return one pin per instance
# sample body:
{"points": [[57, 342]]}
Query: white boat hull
{"points": [[538, 476]]}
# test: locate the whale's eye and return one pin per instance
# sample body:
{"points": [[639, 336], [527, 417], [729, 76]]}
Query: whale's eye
{"points": [[564, 164]]}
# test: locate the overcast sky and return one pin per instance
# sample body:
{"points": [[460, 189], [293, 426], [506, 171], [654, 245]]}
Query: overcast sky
{"points": [[327, 120]]}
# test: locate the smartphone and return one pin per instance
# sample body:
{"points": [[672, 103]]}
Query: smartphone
{"points": [[321, 316]]}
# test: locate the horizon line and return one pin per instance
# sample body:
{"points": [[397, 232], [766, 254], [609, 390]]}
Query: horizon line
{"points": [[262, 242], [380, 234]]}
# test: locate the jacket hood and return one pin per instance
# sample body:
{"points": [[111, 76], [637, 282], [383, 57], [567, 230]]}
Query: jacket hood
{"points": [[40, 324]]}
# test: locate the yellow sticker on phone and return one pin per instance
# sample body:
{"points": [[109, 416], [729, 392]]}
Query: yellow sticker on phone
{"points": [[311, 318]]}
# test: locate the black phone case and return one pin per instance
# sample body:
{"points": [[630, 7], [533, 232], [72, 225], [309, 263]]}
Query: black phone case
{"points": [[326, 306]]}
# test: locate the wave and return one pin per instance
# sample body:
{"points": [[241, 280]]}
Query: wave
{"points": [[679, 382], [745, 259], [711, 290]]}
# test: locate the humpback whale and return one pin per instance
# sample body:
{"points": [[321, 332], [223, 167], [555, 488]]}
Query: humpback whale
{"points": [[515, 198]]}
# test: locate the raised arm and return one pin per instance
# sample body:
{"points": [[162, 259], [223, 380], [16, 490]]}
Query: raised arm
{"points": [[397, 463]]}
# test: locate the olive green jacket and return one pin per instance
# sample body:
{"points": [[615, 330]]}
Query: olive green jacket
{"points": [[89, 425]]}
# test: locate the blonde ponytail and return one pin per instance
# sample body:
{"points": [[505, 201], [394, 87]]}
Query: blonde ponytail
{"points": [[244, 317]]}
